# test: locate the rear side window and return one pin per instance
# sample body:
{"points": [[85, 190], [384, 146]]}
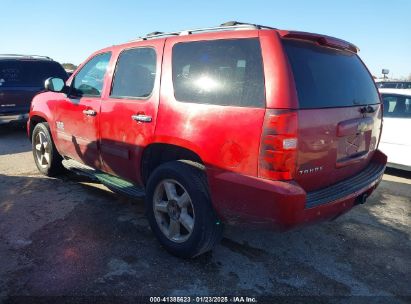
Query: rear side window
{"points": [[17, 73], [397, 106], [220, 72], [327, 78], [135, 73]]}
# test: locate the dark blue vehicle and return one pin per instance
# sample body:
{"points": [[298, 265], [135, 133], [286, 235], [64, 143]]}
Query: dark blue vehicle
{"points": [[22, 77]]}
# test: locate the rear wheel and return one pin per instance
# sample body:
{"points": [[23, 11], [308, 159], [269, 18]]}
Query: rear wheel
{"points": [[46, 156], [179, 209]]}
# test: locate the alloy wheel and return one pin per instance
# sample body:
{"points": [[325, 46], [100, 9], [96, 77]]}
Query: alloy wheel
{"points": [[173, 210], [42, 149]]}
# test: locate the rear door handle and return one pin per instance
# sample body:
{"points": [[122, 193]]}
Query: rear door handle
{"points": [[89, 112], [141, 117]]}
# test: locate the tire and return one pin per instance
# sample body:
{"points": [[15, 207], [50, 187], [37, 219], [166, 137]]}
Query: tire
{"points": [[46, 156], [166, 209]]}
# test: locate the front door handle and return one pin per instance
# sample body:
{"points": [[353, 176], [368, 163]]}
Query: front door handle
{"points": [[141, 117], [89, 112]]}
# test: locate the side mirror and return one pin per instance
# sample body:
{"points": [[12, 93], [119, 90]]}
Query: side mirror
{"points": [[54, 84]]}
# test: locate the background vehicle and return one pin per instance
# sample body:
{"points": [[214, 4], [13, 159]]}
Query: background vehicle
{"points": [[227, 137], [395, 140], [394, 84], [21, 77], [69, 72]]}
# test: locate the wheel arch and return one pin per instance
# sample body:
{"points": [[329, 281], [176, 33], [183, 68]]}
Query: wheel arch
{"points": [[34, 120], [157, 154]]}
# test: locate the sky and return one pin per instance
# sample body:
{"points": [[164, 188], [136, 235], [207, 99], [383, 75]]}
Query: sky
{"points": [[69, 31]]}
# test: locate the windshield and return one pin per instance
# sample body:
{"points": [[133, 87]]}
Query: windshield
{"points": [[17, 73], [327, 77]]}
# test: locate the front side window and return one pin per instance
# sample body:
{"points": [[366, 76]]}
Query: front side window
{"points": [[220, 72], [135, 73], [397, 106], [89, 81]]}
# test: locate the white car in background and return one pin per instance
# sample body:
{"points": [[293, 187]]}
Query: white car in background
{"points": [[396, 134]]}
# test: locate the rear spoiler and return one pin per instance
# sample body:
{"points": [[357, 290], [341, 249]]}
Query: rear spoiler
{"points": [[322, 40]]}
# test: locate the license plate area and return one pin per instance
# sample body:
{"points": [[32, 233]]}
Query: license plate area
{"points": [[354, 138], [353, 146]]}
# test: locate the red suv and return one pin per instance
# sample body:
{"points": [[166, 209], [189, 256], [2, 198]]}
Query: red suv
{"points": [[238, 124]]}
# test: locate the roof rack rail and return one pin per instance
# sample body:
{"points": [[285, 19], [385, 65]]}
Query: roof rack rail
{"points": [[226, 26], [21, 56], [237, 23], [154, 33]]}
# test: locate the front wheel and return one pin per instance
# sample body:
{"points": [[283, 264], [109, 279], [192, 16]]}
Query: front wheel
{"points": [[179, 209], [46, 156]]}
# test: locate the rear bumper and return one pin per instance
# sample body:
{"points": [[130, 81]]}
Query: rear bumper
{"points": [[245, 200], [4, 119]]}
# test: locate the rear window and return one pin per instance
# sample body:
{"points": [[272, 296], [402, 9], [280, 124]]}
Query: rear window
{"points": [[220, 72], [327, 77], [15, 73]]}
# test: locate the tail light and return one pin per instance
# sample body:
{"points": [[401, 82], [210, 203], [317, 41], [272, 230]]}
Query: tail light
{"points": [[278, 147]]}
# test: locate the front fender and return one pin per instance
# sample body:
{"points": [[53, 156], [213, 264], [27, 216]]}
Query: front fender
{"points": [[43, 108]]}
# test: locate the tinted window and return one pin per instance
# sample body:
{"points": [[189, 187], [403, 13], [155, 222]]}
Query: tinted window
{"points": [[135, 73], [326, 77], [221, 72], [14, 73], [389, 85], [89, 81], [397, 106], [395, 85]]}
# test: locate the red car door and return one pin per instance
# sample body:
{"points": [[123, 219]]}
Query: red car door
{"points": [[129, 108], [77, 115]]}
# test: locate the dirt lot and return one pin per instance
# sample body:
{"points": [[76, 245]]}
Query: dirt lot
{"points": [[70, 236]]}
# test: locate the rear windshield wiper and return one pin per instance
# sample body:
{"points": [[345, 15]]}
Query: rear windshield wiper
{"points": [[367, 109]]}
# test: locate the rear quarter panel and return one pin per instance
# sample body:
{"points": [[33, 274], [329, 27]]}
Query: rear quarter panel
{"points": [[279, 84]]}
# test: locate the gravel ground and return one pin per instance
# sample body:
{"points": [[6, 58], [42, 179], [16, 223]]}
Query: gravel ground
{"points": [[70, 236]]}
